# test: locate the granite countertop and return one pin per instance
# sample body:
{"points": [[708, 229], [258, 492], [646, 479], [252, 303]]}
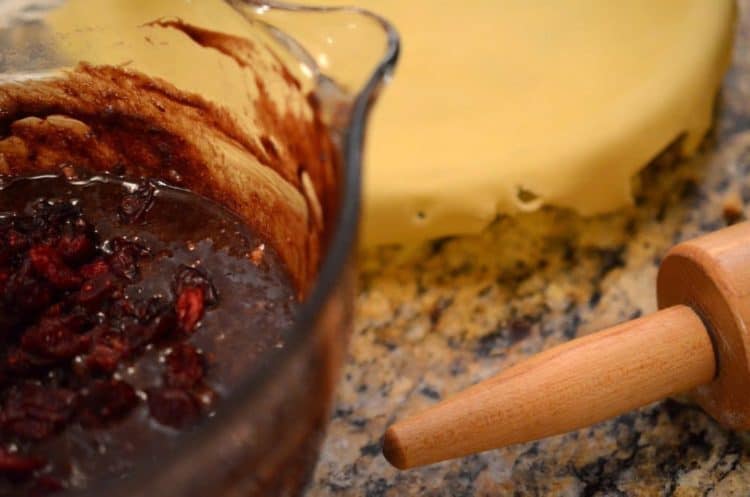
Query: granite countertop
{"points": [[434, 320]]}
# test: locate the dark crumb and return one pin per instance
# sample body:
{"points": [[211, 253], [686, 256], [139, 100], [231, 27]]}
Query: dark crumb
{"points": [[732, 210], [518, 329]]}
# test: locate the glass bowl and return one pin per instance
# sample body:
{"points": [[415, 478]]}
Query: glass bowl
{"points": [[261, 106]]}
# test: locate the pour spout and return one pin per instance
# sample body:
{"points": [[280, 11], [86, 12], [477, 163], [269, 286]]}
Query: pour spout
{"points": [[568, 387]]}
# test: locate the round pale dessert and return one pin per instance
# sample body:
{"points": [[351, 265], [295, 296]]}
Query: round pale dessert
{"points": [[505, 106], [497, 107]]}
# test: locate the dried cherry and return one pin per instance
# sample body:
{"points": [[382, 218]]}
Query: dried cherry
{"points": [[173, 407], [191, 277], [17, 465], [185, 366], [106, 401], [189, 307], [34, 412]]}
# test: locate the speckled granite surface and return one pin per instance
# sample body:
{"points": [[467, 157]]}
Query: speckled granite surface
{"points": [[436, 320]]}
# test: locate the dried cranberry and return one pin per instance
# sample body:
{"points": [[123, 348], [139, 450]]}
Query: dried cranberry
{"points": [[4, 277], [163, 324], [16, 241], [63, 296], [104, 358], [105, 402], [17, 465], [173, 407], [54, 310], [189, 307], [94, 269], [55, 338], [22, 363], [30, 429], [185, 366], [26, 292], [148, 321], [125, 256], [6, 249], [136, 204], [5, 253], [35, 412], [120, 309], [31, 295], [108, 349], [193, 277], [138, 335], [76, 248], [45, 485], [48, 264], [95, 290]]}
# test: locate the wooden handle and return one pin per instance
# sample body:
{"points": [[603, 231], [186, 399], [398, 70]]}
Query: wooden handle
{"points": [[565, 388]]}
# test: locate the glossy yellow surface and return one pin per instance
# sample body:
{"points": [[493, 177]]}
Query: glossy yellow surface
{"points": [[497, 106], [507, 105]]}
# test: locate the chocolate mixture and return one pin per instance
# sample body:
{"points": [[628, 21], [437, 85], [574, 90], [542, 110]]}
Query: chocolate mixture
{"points": [[125, 305], [128, 307]]}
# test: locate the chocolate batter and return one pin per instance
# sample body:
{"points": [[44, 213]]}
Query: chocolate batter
{"points": [[128, 306]]}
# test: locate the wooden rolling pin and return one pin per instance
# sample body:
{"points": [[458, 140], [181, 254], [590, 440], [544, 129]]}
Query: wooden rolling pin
{"points": [[697, 342]]}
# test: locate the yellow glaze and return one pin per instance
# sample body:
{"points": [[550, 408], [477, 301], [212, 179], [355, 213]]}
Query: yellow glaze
{"points": [[564, 100]]}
